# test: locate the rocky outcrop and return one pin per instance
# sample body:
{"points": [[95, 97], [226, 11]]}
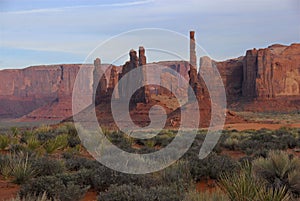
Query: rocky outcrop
{"points": [[231, 72], [113, 81], [45, 92], [133, 79], [272, 72], [34, 87]]}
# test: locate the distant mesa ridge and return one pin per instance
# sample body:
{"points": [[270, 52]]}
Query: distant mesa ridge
{"points": [[45, 92]]}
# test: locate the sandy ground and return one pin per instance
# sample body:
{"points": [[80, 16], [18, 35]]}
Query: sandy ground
{"points": [[258, 126], [7, 190]]}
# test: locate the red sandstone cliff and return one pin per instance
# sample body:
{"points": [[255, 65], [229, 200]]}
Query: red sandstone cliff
{"points": [[25, 90], [272, 72], [45, 92]]}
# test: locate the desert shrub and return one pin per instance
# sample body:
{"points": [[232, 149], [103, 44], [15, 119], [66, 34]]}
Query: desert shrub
{"points": [[41, 197], [6, 166], [73, 141], [55, 187], [121, 140], [81, 178], [243, 185], [59, 142], [22, 168], [102, 178], [45, 136], [261, 153], [177, 173], [74, 163], [33, 143], [212, 166], [130, 192], [240, 186], [17, 148], [45, 166], [265, 139], [231, 143], [14, 131], [194, 195], [279, 170], [267, 194], [43, 129], [4, 141], [70, 130], [125, 192], [17, 165]]}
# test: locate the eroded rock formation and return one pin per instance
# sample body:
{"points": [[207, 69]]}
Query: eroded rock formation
{"points": [[45, 92], [272, 72], [23, 91]]}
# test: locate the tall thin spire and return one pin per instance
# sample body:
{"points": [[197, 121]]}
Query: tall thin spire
{"points": [[193, 57]]}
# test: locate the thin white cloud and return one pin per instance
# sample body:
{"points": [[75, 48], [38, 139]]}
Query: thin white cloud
{"points": [[61, 9]]}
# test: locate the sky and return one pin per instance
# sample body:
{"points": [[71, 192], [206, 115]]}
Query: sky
{"points": [[37, 32]]}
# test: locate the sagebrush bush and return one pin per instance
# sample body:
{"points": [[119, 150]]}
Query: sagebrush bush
{"points": [[130, 192], [212, 166], [74, 163], [56, 187], [178, 173], [46, 166], [216, 195]]}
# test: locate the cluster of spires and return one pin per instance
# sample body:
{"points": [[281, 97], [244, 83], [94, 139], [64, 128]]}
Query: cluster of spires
{"points": [[104, 89]]}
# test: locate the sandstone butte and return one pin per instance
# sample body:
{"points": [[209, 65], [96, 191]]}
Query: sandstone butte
{"points": [[262, 80]]}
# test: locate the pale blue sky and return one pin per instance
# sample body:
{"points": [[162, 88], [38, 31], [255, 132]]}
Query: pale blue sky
{"points": [[34, 32]]}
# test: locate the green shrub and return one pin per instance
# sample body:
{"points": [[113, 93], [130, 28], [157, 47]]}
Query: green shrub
{"points": [[4, 141], [60, 142], [33, 143], [212, 166], [244, 185], [22, 169], [130, 192], [55, 187], [14, 131], [194, 195], [280, 170], [42, 197], [240, 186], [43, 129], [231, 143], [267, 194], [18, 166], [44, 137], [6, 166], [77, 163], [17, 148], [177, 173], [45, 166]]}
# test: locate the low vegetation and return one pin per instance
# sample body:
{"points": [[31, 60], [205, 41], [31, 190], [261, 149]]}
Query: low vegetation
{"points": [[49, 163]]}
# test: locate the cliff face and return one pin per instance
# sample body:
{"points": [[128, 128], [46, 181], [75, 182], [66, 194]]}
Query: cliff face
{"points": [[231, 72], [22, 91], [272, 72], [45, 92]]}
